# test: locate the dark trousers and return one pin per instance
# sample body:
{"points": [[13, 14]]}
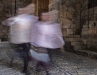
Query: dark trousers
{"points": [[24, 53], [44, 65]]}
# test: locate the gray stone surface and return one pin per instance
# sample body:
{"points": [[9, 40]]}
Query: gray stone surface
{"points": [[62, 64]]}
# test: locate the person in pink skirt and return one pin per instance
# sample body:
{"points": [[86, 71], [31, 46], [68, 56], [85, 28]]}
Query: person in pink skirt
{"points": [[46, 34]]}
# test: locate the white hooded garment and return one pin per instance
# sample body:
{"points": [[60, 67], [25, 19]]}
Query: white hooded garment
{"points": [[47, 35], [20, 28]]}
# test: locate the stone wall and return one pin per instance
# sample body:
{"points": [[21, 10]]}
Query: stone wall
{"points": [[89, 33], [70, 22], [55, 5], [91, 12], [69, 14], [7, 9], [89, 36]]}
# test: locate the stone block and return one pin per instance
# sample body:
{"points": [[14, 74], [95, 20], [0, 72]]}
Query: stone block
{"points": [[4, 31], [66, 39], [91, 22], [85, 26], [79, 47], [76, 43], [85, 32], [74, 36], [66, 26], [69, 31], [66, 23], [75, 39], [92, 30], [84, 40], [64, 14], [64, 32], [4, 44], [7, 15]]}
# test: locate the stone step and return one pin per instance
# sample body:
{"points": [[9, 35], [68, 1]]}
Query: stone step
{"points": [[93, 18], [77, 43], [66, 26], [4, 44], [73, 39], [85, 26], [91, 22], [74, 36], [85, 31], [70, 31], [90, 25], [79, 47], [87, 53], [91, 30]]}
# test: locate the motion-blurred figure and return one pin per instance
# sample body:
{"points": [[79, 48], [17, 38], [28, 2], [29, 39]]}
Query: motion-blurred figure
{"points": [[47, 34], [20, 30]]}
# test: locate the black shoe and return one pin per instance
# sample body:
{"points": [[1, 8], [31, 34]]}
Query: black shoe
{"points": [[38, 70], [47, 73], [26, 72]]}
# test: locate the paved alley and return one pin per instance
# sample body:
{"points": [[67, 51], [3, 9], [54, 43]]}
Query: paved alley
{"points": [[63, 64]]}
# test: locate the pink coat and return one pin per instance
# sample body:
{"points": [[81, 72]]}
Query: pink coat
{"points": [[47, 35]]}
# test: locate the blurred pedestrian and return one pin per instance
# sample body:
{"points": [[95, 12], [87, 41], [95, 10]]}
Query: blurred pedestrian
{"points": [[46, 35], [20, 30]]}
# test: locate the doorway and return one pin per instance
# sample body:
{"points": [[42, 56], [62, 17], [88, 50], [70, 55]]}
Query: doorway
{"points": [[41, 6]]}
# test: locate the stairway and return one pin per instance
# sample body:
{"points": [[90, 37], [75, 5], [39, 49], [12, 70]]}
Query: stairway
{"points": [[75, 44]]}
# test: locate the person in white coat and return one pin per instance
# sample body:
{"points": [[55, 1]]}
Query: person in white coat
{"points": [[20, 30]]}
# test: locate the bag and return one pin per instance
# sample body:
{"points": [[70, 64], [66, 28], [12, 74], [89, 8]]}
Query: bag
{"points": [[39, 49], [43, 57]]}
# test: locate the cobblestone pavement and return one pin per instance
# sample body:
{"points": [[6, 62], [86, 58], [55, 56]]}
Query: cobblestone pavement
{"points": [[62, 64]]}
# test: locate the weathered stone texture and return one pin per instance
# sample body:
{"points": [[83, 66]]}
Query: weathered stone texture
{"points": [[69, 14], [70, 20], [89, 36]]}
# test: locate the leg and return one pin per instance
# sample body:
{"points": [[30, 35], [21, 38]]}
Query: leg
{"points": [[50, 53], [24, 56], [45, 67], [26, 47], [11, 62], [25, 60], [37, 68]]}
